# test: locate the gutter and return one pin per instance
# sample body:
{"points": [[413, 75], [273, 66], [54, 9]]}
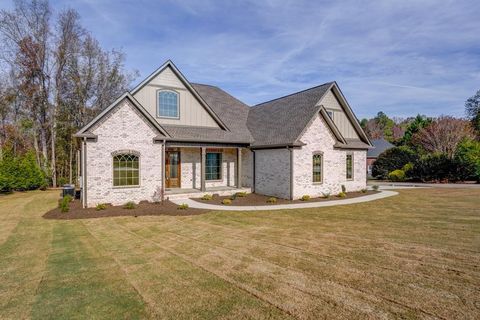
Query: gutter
{"points": [[291, 172], [84, 172], [278, 146]]}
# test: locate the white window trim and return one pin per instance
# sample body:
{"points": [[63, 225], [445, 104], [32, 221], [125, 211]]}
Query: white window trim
{"points": [[158, 103]]}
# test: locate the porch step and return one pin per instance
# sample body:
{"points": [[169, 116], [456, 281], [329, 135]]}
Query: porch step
{"points": [[198, 193]]}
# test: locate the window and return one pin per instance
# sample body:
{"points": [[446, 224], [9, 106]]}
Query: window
{"points": [[317, 168], [168, 104], [330, 114], [213, 166], [125, 170], [349, 166]]}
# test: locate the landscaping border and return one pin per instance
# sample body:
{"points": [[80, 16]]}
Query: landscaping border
{"points": [[202, 205]]}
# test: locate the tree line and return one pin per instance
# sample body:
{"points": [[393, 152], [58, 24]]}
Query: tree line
{"points": [[55, 76], [441, 148]]}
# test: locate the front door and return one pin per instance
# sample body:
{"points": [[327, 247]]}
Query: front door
{"points": [[172, 169]]}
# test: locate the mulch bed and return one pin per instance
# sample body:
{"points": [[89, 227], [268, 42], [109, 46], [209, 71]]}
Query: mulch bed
{"points": [[142, 209], [253, 199]]}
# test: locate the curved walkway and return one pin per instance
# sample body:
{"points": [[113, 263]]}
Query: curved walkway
{"points": [[202, 205]]}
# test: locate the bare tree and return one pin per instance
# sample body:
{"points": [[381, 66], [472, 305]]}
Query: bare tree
{"points": [[443, 135]]}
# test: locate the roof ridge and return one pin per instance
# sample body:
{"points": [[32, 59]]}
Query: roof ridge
{"points": [[291, 94]]}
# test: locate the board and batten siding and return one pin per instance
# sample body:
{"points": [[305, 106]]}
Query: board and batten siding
{"points": [[191, 112], [331, 103]]}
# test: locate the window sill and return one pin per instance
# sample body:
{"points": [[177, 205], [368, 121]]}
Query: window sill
{"points": [[126, 187], [162, 117], [213, 180], [317, 183]]}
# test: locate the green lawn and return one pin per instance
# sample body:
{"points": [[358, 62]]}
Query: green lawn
{"points": [[416, 255]]}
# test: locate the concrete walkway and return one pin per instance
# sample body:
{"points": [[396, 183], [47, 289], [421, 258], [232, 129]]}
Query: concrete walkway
{"points": [[204, 205]]}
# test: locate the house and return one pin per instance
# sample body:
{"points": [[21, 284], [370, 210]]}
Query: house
{"points": [[171, 138], [379, 146]]}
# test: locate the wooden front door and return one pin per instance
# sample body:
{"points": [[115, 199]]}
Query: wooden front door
{"points": [[172, 169]]}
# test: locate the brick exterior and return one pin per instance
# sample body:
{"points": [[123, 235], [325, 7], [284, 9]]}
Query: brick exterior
{"points": [[272, 172], [318, 138], [124, 128]]}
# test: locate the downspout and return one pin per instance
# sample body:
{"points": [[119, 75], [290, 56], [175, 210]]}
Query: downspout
{"points": [[163, 170], [254, 176], [84, 171], [291, 172]]}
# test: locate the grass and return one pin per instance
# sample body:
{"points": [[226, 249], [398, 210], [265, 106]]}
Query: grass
{"points": [[415, 255]]}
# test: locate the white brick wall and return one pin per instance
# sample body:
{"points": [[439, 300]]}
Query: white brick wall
{"points": [[319, 138], [122, 129], [272, 172]]}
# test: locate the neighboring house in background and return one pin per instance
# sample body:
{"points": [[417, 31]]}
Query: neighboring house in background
{"points": [[379, 146], [172, 138]]}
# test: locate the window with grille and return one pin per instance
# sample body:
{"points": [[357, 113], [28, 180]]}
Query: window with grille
{"points": [[317, 168], [168, 104], [126, 170], [349, 166], [213, 166]]}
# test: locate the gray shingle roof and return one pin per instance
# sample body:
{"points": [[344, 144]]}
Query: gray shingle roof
{"points": [[230, 110], [281, 121], [379, 145]]}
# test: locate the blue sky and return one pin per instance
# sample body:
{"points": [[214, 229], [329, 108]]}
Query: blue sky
{"points": [[402, 57]]}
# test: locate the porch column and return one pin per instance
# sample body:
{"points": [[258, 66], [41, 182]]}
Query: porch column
{"points": [[202, 180], [239, 167]]}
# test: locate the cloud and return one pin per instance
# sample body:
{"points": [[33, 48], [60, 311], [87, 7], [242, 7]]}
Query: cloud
{"points": [[401, 57]]}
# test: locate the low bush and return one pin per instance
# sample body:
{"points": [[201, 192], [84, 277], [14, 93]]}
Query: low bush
{"points": [[272, 200], [305, 197], [100, 206], [207, 197], [64, 203], [397, 175], [241, 194], [233, 197], [364, 190], [375, 187], [226, 201], [183, 206], [326, 195], [344, 189], [342, 195], [129, 205]]}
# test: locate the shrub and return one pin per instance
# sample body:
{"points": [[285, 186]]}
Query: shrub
{"points": [[241, 194], [305, 197], [183, 206], [342, 195], [226, 201], [272, 200], [233, 197], [364, 190], [375, 187], [467, 157], [20, 172], [435, 167], [392, 159], [207, 197], [407, 167], [344, 189], [64, 203], [129, 205], [397, 175], [100, 206], [326, 195]]}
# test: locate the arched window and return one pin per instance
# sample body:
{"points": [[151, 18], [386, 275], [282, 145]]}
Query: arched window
{"points": [[168, 104], [126, 170]]}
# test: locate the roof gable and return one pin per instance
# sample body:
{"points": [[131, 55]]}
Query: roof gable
{"points": [[84, 132], [178, 79]]}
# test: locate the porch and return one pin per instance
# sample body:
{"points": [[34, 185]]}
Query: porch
{"points": [[180, 193], [193, 170]]}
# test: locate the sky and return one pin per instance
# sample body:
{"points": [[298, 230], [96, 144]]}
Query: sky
{"points": [[400, 57]]}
